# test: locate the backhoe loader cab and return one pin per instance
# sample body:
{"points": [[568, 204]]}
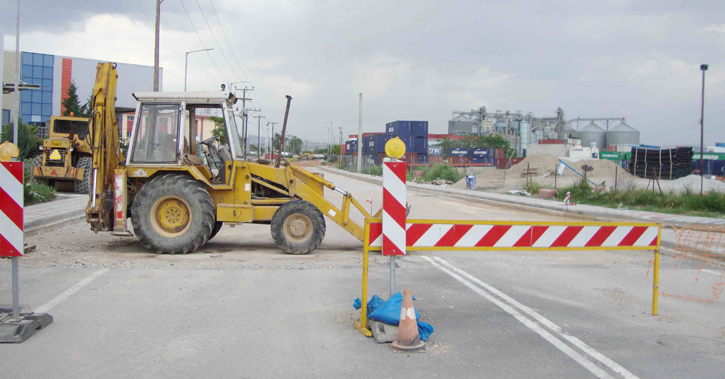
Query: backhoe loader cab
{"points": [[179, 191], [65, 154]]}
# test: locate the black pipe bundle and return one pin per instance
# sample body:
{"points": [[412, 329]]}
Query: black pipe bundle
{"points": [[661, 163]]}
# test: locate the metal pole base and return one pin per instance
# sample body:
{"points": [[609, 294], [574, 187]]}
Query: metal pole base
{"points": [[17, 331]]}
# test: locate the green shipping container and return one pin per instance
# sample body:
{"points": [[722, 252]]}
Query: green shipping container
{"points": [[709, 157], [611, 155]]}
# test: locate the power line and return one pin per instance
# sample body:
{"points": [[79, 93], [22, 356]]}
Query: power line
{"points": [[217, 42], [227, 39], [202, 42]]}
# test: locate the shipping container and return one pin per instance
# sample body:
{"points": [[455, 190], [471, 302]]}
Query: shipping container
{"points": [[433, 159], [459, 160], [459, 152], [435, 150], [709, 156], [711, 167], [611, 156], [423, 159], [420, 129], [342, 149], [375, 144], [420, 145], [552, 142], [720, 144], [350, 147], [399, 128]]}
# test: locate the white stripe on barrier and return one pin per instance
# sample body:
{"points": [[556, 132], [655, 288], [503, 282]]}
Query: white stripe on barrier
{"points": [[396, 235], [617, 236], [473, 235], [584, 236], [433, 235], [551, 234], [512, 236], [11, 232], [647, 236], [11, 185], [393, 184]]}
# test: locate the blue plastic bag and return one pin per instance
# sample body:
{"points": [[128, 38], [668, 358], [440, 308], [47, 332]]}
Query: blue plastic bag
{"points": [[388, 312]]}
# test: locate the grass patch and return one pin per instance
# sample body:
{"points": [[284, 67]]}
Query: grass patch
{"points": [[711, 204], [533, 187], [35, 192], [441, 171]]}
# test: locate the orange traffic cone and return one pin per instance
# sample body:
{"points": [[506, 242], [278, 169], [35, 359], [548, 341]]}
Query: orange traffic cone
{"points": [[408, 337]]}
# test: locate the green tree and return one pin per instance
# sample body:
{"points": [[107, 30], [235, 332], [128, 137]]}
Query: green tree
{"points": [[28, 141], [87, 108], [219, 132], [72, 103], [295, 145]]}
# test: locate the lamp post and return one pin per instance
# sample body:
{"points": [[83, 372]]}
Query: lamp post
{"points": [[186, 63], [703, 67], [329, 133]]}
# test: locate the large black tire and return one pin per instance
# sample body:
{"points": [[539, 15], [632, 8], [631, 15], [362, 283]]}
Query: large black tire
{"points": [[217, 227], [84, 186], [173, 213], [298, 227]]}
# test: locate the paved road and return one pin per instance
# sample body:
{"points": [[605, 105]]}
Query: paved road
{"points": [[239, 308]]}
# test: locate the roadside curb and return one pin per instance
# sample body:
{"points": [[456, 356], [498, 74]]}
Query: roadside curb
{"points": [[51, 223]]}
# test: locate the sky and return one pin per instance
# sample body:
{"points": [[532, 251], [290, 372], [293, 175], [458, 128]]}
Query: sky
{"points": [[416, 60]]}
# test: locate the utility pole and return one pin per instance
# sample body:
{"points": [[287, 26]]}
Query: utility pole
{"points": [[703, 67], [341, 136], [156, 45], [259, 134], [245, 119], [17, 83], [271, 140], [359, 135]]}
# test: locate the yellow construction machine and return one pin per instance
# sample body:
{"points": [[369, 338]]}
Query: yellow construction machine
{"points": [[66, 156], [179, 192]]}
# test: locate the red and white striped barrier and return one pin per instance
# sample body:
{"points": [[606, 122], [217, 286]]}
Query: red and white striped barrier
{"points": [[394, 213], [481, 235], [11, 209]]}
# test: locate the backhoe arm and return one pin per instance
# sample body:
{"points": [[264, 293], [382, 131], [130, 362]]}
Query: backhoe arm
{"points": [[103, 135]]}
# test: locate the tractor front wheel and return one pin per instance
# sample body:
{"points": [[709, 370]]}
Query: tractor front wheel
{"points": [[298, 227], [173, 214]]}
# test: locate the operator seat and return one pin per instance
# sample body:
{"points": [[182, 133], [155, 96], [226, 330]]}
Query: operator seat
{"points": [[225, 156]]}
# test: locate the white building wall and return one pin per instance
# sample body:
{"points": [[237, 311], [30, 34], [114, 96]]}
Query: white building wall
{"points": [[131, 78]]}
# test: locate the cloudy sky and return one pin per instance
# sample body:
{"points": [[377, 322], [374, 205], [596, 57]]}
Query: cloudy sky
{"points": [[417, 59]]}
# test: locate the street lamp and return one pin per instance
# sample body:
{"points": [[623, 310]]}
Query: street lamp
{"points": [[329, 133], [703, 67], [186, 63]]}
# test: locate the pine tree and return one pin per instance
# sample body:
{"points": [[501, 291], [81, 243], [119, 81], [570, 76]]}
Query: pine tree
{"points": [[72, 103]]}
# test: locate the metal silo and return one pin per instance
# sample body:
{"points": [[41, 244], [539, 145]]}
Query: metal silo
{"points": [[623, 134], [593, 133], [524, 133], [569, 132]]}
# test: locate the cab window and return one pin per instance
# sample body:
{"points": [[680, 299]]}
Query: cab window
{"points": [[157, 134]]}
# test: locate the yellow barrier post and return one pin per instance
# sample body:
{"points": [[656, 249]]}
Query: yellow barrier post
{"points": [[656, 282], [362, 325]]}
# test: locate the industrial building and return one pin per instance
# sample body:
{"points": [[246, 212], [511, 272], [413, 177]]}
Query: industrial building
{"points": [[53, 75]]}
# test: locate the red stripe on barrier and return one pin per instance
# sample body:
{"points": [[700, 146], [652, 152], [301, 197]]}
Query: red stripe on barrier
{"points": [[393, 208], [454, 235], [16, 169], [415, 232], [390, 248], [569, 233], [7, 249], [536, 232], [11, 209], [654, 242], [398, 168], [601, 235], [525, 239], [493, 235], [633, 236], [376, 229]]}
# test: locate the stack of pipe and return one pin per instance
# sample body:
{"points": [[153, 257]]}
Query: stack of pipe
{"points": [[661, 163]]}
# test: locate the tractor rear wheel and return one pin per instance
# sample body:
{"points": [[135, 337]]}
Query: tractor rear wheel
{"points": [[298, 227], [173, 213], [217, 227], [84, 185]]}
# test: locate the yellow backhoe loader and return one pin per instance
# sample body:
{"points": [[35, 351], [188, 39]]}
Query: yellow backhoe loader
{"points": [[179, 192], [65, 156]]}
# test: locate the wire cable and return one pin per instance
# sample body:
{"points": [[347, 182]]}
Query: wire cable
{"points": [[227, 39], [202, 42], [217, 42]]}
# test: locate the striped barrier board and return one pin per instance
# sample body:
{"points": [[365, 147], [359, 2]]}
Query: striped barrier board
{"points": [[513, 235], [394, 212], [11, 209]]}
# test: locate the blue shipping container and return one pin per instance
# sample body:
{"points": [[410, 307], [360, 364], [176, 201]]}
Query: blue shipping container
{"points": [[458, 152], [399, 128], [420, 145], [720, 144], [481, 153], [435, 150], [420, 129], [376, 143], [350, 147]]}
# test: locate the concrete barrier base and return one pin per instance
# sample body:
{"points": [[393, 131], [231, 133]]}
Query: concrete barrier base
{"points": [[17, 331]]}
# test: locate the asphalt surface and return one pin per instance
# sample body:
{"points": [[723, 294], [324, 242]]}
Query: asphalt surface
{"points": [[240, 308]]}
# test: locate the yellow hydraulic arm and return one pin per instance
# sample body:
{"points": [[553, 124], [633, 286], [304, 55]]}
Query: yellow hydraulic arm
{"points": [[103, 135]]}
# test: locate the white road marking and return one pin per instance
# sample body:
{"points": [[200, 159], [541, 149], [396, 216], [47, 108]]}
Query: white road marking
{"points": [[596, 370], [70, 291], [713, 272]]}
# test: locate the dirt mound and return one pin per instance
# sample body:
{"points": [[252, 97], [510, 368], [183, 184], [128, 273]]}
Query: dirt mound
{"points": [[545, 165]]}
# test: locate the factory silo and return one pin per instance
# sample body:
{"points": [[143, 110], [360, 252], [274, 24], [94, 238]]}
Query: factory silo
{"points": [[622, 134], [569, 132], [592, 134]]}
